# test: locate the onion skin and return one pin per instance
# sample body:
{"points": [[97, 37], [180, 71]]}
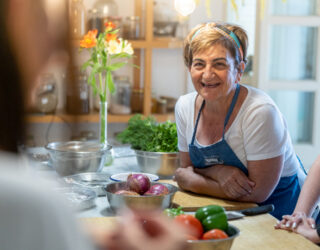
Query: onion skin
{"points": [[157, 189], [126, 192], [139, 183]]}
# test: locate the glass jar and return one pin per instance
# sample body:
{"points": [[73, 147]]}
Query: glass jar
{"points": [[161, 106], [131, 28], [137, 101], [46, 94], [106, 8], [77, 17], [95, 20], [120, 100], [77, 93]]}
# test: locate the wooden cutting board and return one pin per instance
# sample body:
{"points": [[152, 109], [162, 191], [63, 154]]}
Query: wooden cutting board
{"points": [[191, 201]]}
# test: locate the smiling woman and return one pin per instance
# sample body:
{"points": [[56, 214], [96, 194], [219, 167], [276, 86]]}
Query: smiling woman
{"points": [[233, 140]]}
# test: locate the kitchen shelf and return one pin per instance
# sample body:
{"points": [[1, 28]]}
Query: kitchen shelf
{"points": [[61, 117], [157, 42], [143, 52]]}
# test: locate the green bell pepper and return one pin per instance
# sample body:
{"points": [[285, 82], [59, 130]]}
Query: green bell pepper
{"points": [[212, 217]]}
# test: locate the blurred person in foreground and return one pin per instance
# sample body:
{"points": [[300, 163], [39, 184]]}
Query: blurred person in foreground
{"points": [[300, 220], [32, 217], [233, 140]]}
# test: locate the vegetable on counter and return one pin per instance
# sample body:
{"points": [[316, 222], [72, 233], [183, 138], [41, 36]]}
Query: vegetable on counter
{"points": [[192, 224], [212, 217], [139, 183], [147, 135], [157, 189], [173, 212]]}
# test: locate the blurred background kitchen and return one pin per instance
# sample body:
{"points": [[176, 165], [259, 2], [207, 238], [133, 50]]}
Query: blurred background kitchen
{"points": [[284, 60]]}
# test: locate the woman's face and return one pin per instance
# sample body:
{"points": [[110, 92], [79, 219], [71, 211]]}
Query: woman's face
{"points": [[213, 73]]}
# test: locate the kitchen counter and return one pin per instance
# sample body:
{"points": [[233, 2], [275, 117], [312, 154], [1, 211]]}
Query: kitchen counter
{"points": [[256, 232]]}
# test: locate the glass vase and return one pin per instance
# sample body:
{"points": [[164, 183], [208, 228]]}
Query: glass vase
{"points": [[103, 123]]}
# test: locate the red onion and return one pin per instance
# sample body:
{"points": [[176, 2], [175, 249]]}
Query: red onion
{"points": [[126, 192], [139, 183], [157, 189]]}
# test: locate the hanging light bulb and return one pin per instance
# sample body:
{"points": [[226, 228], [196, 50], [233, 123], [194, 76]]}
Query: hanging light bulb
{"points": [[184, 7]]}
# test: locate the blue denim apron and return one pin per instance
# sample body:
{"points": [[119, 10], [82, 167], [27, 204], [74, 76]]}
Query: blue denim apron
{"points": [[286, 193]]}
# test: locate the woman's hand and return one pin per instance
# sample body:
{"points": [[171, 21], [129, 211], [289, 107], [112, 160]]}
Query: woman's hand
{"points": [[292, 222], [232, 180], [299, 223]]}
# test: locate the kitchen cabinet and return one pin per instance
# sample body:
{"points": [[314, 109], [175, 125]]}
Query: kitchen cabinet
{"points": [[143, 57]]}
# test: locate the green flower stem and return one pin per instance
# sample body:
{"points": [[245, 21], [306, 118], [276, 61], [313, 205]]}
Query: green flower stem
{"points": [[103, 122]]}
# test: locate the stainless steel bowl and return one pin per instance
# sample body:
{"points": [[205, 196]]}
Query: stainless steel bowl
{"points": [[80, 198], [163, 164], [221, 244], [95, 181], [73, 157], [118, 201]]}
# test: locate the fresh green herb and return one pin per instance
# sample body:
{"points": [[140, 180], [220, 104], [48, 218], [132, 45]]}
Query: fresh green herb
{"points": [[173, 212], [147, 135]]}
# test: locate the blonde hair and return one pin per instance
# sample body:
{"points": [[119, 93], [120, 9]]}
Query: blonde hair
{"points": [[204, 36]]}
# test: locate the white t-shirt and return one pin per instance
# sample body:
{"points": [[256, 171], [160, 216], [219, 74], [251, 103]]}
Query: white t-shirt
{"points": [[31, 216], [258, 132]]}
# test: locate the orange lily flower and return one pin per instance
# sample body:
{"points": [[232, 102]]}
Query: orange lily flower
{"points": [[109, 26], [89, 40], [110, 37]]}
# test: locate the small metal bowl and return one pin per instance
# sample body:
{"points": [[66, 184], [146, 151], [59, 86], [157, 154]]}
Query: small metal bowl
{"points": [[118, 201], [73, 157], [220, 244], [79, 198], [95, 181], [159, 163]]}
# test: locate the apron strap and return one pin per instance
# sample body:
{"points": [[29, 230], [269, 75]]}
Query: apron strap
{"points": [[233, 103], [197, 121]]}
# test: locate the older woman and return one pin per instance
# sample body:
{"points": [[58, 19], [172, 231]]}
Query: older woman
{"points": [[232, 138]]}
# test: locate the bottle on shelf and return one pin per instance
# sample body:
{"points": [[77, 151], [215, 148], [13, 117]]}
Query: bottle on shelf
{"points": [[120, 100], [77, 92], [107, 9], [77, 18], [131, 28], [137, 100]]}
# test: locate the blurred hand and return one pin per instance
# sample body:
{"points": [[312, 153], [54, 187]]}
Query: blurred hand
{"points": [[144, 230], [291, 222], [233, 182]]}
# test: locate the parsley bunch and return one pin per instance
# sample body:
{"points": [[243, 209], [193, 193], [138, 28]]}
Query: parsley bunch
{"points": [[148, 135]]}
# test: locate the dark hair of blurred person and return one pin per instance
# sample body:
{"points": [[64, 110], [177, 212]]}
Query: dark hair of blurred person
{"points": [[11, 98]]}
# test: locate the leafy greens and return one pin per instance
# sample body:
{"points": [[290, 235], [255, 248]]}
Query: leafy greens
{"points": [[147, 135]]}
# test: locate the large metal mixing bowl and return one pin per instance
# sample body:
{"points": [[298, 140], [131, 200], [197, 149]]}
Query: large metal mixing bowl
{"points": [[118, 201], [73, 157], [219, 244], [163, 164]]}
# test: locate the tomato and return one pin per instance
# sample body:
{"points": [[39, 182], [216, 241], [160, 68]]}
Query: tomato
{"points": [[214, 234], [192, 224]]}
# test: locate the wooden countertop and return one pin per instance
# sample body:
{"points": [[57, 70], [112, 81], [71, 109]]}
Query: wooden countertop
{"points": [[191, 201], [256, 232]]}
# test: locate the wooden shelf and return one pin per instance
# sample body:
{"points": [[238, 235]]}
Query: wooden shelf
{"points": [[157, 42], [89, 118]]}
